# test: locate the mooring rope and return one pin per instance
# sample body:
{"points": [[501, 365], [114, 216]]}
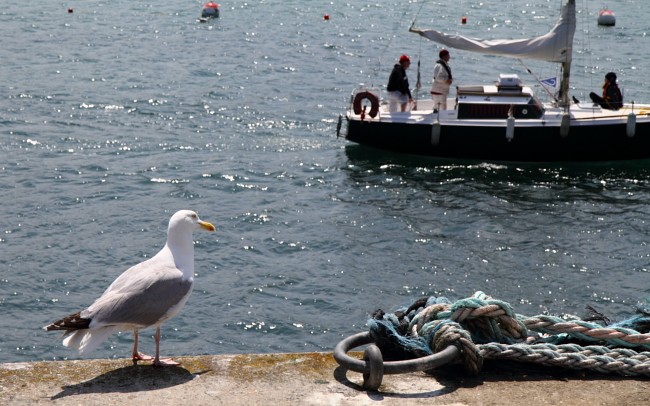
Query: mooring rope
{"points": [[485, 328]]}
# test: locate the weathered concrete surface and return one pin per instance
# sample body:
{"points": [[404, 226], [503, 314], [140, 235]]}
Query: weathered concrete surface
{"points": [[300, 379]]}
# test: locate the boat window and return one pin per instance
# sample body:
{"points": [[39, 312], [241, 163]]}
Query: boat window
{"points": [[482, 110], [533, 109]]}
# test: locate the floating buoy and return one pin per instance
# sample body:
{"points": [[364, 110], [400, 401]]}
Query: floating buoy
{"points": [[606, 17], [463, 20], [326, 17], [210, 10], [70, 10]]}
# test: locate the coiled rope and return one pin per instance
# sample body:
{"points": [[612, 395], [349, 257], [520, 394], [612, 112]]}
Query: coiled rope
{"points": [[481, 327]]}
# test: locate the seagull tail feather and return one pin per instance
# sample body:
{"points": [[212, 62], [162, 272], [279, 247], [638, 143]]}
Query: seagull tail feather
{"points": [[87, 340], [69, 323]]}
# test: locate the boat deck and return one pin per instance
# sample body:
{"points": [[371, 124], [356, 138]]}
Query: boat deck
{"points": [[423, 113]]}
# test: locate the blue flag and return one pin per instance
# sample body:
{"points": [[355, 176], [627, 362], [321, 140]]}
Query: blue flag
{"points": [[550, 82]]}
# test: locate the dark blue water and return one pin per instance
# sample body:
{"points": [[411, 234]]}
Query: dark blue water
{"points": [[118, 114]]}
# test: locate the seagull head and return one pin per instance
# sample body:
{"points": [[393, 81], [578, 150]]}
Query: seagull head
{"points": [[187, 221]]}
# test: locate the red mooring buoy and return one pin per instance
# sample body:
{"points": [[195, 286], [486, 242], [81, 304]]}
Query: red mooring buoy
{"points": [[607, 18]]}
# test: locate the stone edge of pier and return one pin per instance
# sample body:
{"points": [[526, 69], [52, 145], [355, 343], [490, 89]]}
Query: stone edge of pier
{"points": [[301, 379]]}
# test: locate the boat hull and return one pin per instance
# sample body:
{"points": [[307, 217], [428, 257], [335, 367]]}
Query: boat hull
{"points": [[536, 142]]}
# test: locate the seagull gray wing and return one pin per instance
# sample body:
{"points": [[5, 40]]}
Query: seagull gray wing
{"points": [[143, 296]]}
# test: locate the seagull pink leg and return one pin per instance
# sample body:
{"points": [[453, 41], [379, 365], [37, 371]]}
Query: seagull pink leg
{"points": [[136, 355], [157, 362]]}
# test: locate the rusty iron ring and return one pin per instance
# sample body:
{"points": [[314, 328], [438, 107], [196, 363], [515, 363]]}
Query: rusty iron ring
{"points": [[373, 366]]}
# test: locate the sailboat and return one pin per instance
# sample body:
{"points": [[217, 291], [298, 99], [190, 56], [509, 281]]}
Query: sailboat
{"points": [[505, 121]]}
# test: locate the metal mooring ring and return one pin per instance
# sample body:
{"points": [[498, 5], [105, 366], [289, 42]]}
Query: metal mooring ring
{"points": [[373, 366]]}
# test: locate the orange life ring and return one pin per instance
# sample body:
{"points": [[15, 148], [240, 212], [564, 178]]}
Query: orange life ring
{"points": [[374, 103]]}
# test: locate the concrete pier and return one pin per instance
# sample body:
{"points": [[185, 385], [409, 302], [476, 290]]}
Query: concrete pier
{"points": [[300, 379]]}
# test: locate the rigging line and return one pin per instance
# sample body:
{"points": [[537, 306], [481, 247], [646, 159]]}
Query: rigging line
{"points": [[417, 14], [418, 83], [582, 57], [390, 40], [537, 80], [587, 48]]}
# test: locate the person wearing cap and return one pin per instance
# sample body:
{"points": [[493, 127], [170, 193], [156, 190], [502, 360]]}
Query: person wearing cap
{"points": [[398, 90], [442, 80], [612, 98]]}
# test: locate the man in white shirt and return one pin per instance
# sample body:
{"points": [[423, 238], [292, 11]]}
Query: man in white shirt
{"points": [[442, 80]]}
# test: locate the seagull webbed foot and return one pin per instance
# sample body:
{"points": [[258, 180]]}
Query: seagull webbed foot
{"points": [[166, 362], [141, 357]]}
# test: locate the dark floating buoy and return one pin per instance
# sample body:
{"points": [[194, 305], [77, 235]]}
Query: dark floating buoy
{"points": [[326, 17], [70, 10], [606, 17], [210, 10], [463, 20]]}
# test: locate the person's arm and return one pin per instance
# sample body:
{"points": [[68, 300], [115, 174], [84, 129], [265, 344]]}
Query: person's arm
{"points": [[616, 98], [407, 88], [436, 73], [393, 81]]}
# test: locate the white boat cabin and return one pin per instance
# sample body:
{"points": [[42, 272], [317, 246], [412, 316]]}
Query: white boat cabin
{"points": [[495, 101]]}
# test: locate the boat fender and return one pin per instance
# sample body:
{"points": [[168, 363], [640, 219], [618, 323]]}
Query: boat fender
{"points": [[631, 125], [510, 128], [435, 133], [374, 103], [565, 125]]}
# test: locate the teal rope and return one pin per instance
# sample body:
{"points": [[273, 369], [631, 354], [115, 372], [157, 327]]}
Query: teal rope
{"points": [[586, 331], [484, 327]]}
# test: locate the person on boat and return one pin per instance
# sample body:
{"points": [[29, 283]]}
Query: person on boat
{"points": [[612, 98], [398, 90], [442, 80]]}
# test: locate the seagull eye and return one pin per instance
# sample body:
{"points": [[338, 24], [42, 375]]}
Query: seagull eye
{"points": [[193, 216]]}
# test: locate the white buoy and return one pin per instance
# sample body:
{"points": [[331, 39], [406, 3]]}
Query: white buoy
{"points": [[606, 17], [435, 133], [510, 128], [631, 125]]}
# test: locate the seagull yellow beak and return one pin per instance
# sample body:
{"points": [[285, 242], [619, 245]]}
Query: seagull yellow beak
{"points": [[207, 226]]}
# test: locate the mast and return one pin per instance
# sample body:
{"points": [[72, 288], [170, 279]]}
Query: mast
{"points": [[566, 68], [564, 85]]}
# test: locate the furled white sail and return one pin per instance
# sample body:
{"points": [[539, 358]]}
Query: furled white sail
{"points": [[555, 46]]}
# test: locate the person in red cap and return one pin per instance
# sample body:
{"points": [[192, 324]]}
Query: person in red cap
{"points": [[442, 80], [399, 93]]}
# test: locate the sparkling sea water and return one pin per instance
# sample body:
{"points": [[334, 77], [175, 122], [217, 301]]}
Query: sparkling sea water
{"points": [[117, 114]]}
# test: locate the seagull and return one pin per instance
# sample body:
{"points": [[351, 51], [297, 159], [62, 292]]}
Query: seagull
{"points": [[145, 295]]}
